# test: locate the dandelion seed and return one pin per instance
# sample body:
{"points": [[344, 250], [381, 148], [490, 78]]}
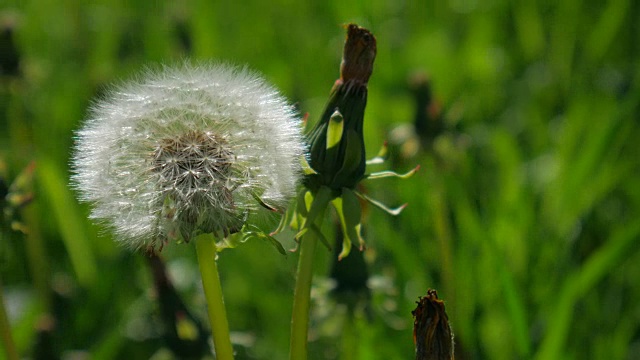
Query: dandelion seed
{"points": [[185, 151]]}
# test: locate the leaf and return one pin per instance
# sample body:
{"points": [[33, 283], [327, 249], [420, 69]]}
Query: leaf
{"points": [[382, 156], [69, 221]]}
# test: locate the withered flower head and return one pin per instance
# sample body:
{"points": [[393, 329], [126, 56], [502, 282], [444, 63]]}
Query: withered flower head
{"points": [[431, 331]]}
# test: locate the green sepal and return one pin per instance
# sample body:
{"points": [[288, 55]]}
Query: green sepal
{"points": [[306, 168], [382, 155], [304, 201], [308, 201], [384, 174], [270, 239], [353, 215], [317, 203], [348, 173], [229, 242], [301, 233], [301, 206], [284, 219], [346, 241], [381, 206], [349, 211], [296, 221], [334, 130], [312, 206], [263, 204], [317, 232]]}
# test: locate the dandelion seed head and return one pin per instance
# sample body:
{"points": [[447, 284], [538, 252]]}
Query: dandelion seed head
{"points": [[187, 150]]}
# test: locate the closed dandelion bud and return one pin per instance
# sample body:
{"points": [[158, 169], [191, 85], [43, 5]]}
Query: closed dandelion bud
{"points": [[187, 150], [337, 153]]}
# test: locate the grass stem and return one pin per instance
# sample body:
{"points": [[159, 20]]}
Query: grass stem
{"points": [[5, 331]]}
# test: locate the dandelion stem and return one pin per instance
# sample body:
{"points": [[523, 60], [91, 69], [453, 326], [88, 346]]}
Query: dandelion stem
{"points": [[5, 331], [206, 250], [349, 342], [301, 298], [302, 295]]}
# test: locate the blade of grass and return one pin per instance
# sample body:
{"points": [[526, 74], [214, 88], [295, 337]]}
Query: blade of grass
{"points": [[70, 225], [620, 245], [5, 331]]}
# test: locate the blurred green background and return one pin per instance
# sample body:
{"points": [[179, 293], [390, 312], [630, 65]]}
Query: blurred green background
{"points": [[524, 216]]}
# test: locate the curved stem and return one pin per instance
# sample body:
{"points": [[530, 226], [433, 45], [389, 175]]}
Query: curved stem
{"points": [[5, 331], [206, 250]]}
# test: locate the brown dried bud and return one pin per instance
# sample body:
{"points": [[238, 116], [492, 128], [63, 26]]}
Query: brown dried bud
{"points": [[431, 331], [358, 55]]}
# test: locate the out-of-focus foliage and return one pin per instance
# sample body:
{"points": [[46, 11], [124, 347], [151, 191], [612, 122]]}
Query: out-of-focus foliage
{"points": [[525, 215]]}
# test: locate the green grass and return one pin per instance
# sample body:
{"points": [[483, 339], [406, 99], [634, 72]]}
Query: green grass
{"points": [[525, 214]]}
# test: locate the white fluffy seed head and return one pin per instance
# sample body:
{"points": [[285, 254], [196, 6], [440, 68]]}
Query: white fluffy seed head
{"points": [[186, 150]]}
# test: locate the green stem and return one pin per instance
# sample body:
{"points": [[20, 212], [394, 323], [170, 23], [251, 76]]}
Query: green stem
{"points": [[36, 253], [5, 331], [302, 294], [349, 342], [206, 250], [443, 233]]}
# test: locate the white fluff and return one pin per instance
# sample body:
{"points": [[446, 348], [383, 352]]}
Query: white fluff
{"points": [[147, 200]]}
